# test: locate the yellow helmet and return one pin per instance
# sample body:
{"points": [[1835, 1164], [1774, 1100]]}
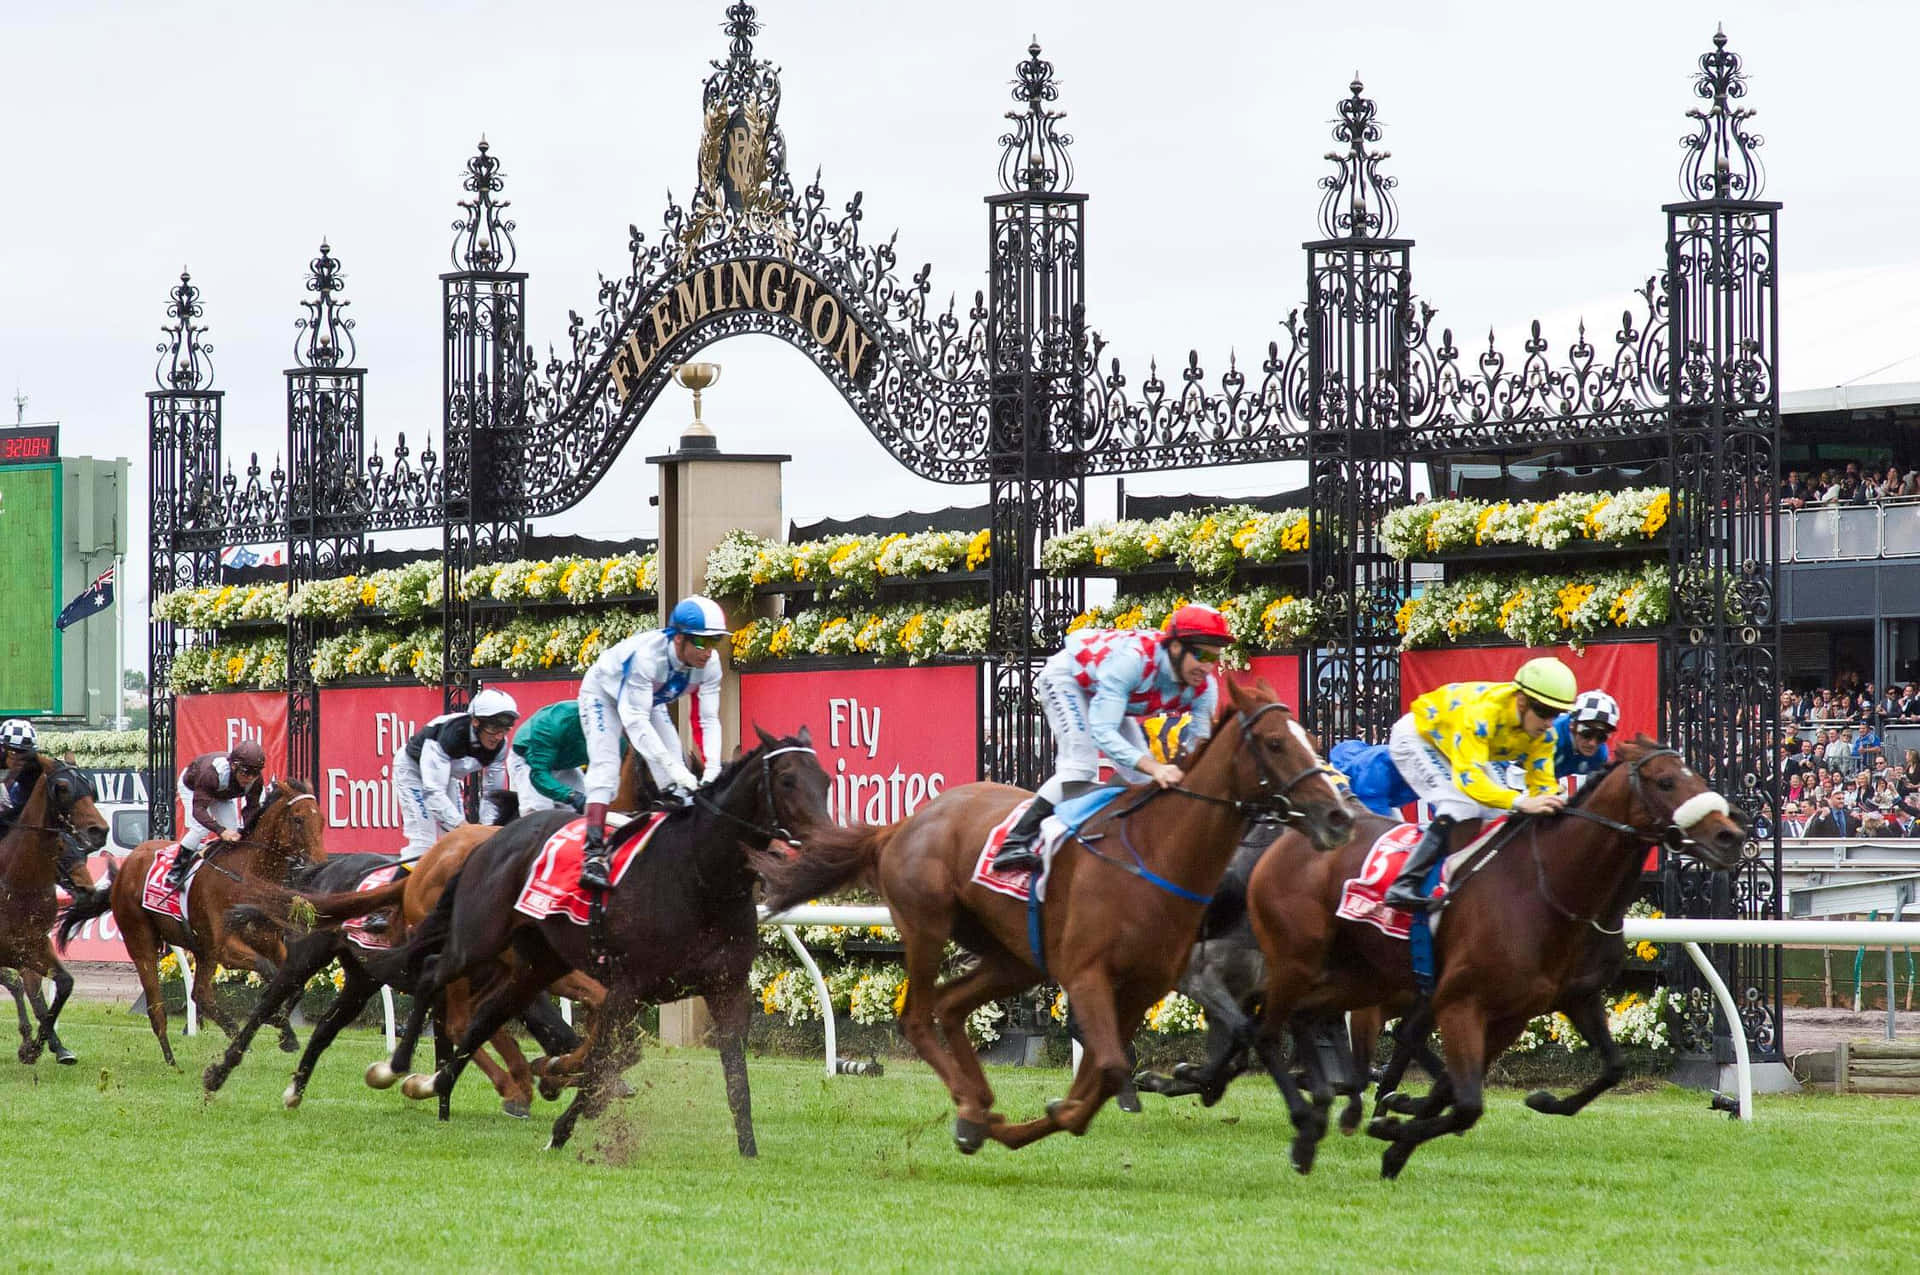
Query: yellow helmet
{"points": [[1548, 681], [1165, 734]]}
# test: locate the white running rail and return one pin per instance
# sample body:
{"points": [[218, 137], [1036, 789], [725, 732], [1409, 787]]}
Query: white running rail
{"points": [[1690, 933]]}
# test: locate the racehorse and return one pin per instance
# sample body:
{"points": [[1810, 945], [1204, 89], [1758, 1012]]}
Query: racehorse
{"points": [[1514, 936], [1120, 913], [286, 832], [75, 876], [59, 803], [680, 922]]}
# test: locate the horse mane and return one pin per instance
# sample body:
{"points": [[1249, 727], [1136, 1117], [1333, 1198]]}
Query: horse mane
{"points": [[733, 768]]}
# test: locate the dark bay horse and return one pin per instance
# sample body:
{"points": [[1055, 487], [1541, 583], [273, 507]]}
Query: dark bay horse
{"points": [[1112, 937], [1514, 938], [59, 804], [681, 922], [286, 832]]}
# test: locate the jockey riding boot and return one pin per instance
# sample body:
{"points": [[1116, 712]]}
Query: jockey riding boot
{"points": [[177, 874], [593, 867], [1016, 853], [1404, 893]]}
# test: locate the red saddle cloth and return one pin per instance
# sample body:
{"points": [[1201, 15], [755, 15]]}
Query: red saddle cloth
{"points": [[1361, 898], [1017, 884], [553, 883], [356, 929], [160, 898]]}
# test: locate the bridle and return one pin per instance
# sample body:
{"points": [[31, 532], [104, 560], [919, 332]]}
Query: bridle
{"points": [[65, 817], [773, 829], [1273, 804], [1674, 835]]}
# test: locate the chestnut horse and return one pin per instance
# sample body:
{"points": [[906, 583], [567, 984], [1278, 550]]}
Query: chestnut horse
{"points": [[59, 803], [1122, 904], [1514, 938], [286, 832]]}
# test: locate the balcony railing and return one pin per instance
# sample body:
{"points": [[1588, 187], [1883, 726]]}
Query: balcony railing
{"points": [[1841, 533]]}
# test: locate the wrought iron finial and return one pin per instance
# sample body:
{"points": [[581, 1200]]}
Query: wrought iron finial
{"points": [[326, 334], [186, 361], [1358, 203], [741, 27], [1033, 156], [483, 238], [1720, 162]]}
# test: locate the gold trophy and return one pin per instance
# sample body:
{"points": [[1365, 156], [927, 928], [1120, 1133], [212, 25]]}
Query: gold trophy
{"points": [[697, 377]]}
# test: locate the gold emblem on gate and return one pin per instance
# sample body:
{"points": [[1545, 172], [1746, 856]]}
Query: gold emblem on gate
{"points": [[735, 179]]}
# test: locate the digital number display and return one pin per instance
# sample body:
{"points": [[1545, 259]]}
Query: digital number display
{"points": [[29, 446]]}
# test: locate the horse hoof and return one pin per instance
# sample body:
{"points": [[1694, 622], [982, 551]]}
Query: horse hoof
{"points": [[1399, 1104], [290, 1097], [417, 1086], [214, 1076], [381, 1075], [550, 1088], [552, 1145], [1394, 1159], [1350, 1121], [1301, 1154], [289, 1044], [968, 1135], [1128, 1101], [29, 1054], [1385, 1128], [64, 1057], [1054, 1109], [518, 1110], [1542, 1101]]}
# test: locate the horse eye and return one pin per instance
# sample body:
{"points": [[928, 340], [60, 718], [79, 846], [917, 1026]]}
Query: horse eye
{"points": [[1666, 785]]}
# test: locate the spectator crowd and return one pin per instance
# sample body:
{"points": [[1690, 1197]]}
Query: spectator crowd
{"points": [[1838, 777], [1848, 486]]}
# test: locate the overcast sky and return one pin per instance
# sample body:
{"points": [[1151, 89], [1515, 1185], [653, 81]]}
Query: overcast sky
{"points": [[1533, 144]]}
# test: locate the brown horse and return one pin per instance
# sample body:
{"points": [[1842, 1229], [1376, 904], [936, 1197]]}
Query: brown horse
{"points": [[1514, 936], [59, 803], [1122, 906], [286, 832]]}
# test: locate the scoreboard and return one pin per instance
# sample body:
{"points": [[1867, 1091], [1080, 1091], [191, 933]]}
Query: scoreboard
{"points": [[29, 445], [30, 530]]}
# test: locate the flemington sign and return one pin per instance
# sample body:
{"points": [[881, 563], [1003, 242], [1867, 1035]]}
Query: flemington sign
{"points": [[762, 284]]}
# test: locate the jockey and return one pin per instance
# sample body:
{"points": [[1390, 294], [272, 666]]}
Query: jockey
{"points": [[1096, 690], [429, 775], [627, 691], [1580, 735], [546, 765], [1449, 746], [213, 788], [18, 744]]}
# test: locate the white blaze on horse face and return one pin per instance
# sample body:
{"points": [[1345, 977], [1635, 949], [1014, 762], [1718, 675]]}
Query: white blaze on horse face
{"points": [[1698, 807], [1300, 733]]}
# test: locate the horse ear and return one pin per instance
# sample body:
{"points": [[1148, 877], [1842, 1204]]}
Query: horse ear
{"points": [[766, 740], [1265, 688], [805, 738], [1233, 693]]}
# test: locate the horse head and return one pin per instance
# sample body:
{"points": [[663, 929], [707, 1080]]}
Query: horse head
{"points": [[794, 787], [69, 804], [289, 823], [1691, 817], [1277, 769]]}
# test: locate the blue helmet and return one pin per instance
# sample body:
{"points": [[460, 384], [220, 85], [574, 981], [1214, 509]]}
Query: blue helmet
{"points": [[697, 616]]}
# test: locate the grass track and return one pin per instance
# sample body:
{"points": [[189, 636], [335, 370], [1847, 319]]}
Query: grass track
{"points": [[118, 1164]]}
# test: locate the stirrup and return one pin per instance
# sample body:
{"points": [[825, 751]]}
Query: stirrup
{"points": [[1407, 900], [596, 873], [1016, 858]]}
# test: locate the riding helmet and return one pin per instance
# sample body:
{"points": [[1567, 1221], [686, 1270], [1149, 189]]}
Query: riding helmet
{"points": [[16, 733], [1547, 681], [493, 707], [1597, 707], [698, 617], [1197, 622], [249, 755]]}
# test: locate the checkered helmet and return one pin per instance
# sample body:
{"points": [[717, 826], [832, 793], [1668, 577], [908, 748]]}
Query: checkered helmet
{"points": [[17, 733], [1596, 706]]}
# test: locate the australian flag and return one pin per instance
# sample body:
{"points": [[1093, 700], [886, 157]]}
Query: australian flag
{"points": [[97, 598]]}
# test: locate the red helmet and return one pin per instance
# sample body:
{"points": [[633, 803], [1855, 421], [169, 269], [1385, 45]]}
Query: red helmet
{"points": [[1198, 622]]}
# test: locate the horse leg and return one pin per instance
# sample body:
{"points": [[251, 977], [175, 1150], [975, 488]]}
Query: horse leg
{"points": [[998, 974], [561, 1043], [383, 1074], [615, 1022], [1228, 1029], [359, 989], [727, 1002], [1589, 1017], [1363, 1037], [286, 985], [11, 980], [501, 1005], [923, 946], [204, 995], [49, 1015], [1409, 1045], [1468, 1038], [144, 948], [1102, 1069]]}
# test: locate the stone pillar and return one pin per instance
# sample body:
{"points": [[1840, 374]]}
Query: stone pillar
{"points": [[705, 493]]}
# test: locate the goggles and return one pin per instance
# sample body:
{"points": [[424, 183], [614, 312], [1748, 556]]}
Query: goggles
{"points": [[705, 641], [1598, 734]]}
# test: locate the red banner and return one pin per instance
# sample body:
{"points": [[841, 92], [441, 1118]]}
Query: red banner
{"points": [[890, 738], [531, 697], [362, 730], [1283, 674], [1628, 671]]}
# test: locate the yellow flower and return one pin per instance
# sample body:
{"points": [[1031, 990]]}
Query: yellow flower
{"points": [[590, 647], [1404, 616], [841, 554], [1656, 515], [980, 550], [771, 992], [236, 665], [911, 629], [1099, 555], [781, 641], [1129, 619], [1058, 1010], [369, 594], [1082, 620], [900, 999], [566, 577], [1243, 537], [1513, 604], [1294, 538], [1619, 611], [742, 637]]}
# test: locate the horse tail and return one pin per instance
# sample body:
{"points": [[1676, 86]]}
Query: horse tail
{"points": [[832, 858], [346, 905], [85, 907]]}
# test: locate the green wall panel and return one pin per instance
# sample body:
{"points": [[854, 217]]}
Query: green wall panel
{"points": [[29, 565]]}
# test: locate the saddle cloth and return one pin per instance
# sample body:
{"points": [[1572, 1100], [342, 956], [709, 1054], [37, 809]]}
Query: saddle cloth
{"points": [[1068, 816], [356, 929], [553, 882], [160, 898], [1361, 898]]}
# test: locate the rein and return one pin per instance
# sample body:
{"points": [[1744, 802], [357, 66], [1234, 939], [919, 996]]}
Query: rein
{"points": [[774, 830]]}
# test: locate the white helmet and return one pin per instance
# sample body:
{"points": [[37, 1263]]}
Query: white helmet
{"points": [[1596, 706], [17, 733], [493, 707]]}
